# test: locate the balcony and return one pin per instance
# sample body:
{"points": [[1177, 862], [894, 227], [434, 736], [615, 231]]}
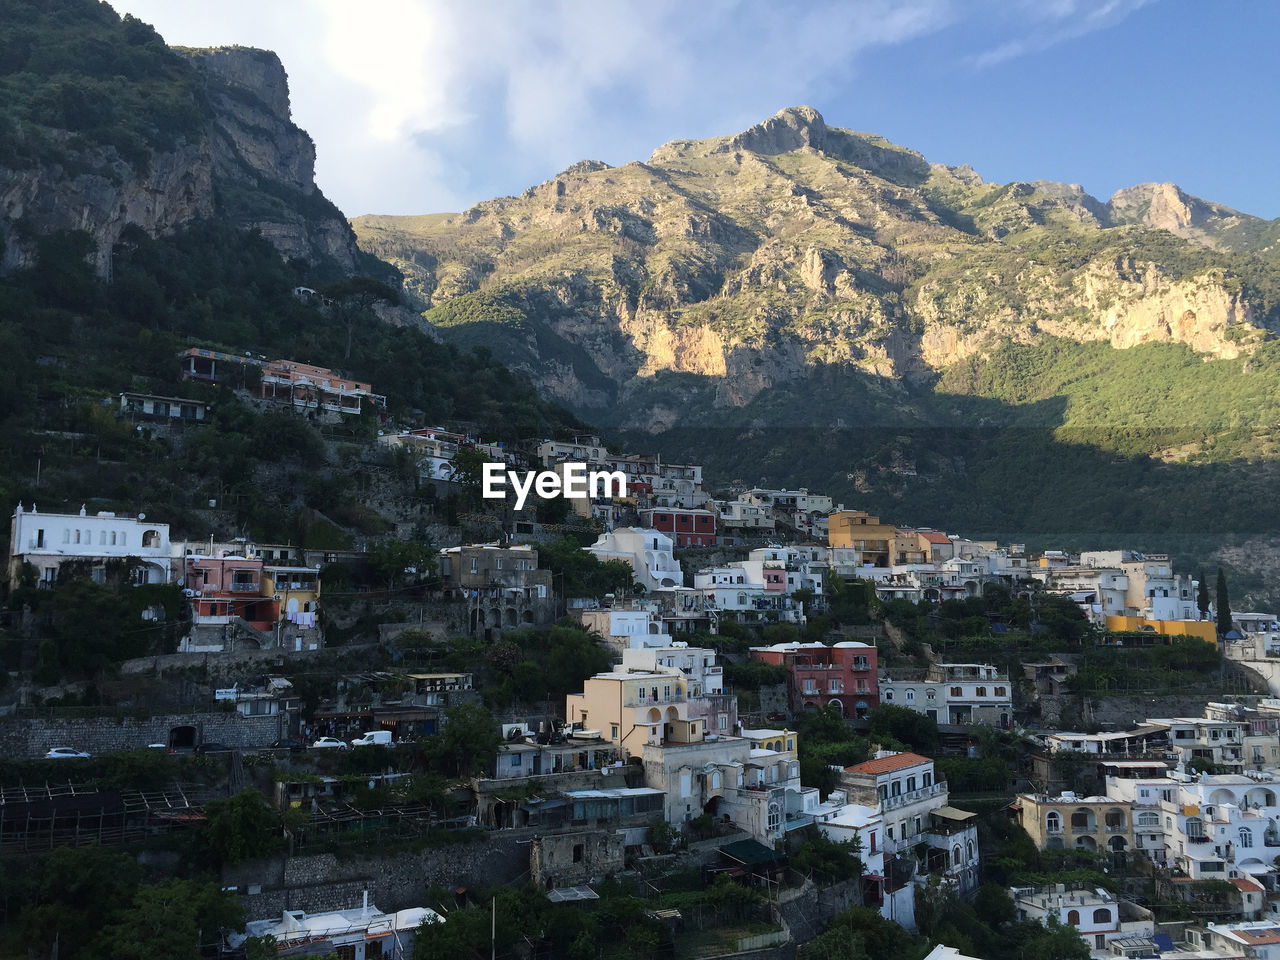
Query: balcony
{"points": [[915, 796], [239, 587]]}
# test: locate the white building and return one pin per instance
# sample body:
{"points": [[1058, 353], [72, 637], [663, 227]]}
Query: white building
{"points": [[1099, 916], [805, 567], [361, 933], [955, 693], [650, 553], [47, 540], [629, 627]]}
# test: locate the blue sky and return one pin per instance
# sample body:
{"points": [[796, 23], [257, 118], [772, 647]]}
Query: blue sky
{"points": [[419, 106]]}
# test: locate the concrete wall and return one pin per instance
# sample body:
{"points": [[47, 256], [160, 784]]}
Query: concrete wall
{"points": [[327, 882], [31, 738]]}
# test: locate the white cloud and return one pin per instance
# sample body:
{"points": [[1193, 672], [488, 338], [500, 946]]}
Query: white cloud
{"points": [[427, 105], [1052, 22]]}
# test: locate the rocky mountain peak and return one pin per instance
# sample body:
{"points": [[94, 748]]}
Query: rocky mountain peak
{"points": [[258, 71], [1160, 205], [788, 129]]}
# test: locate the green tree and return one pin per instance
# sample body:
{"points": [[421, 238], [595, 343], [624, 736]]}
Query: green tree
{"points": [[906, 726], [353, 300], [1202, 596], [399, 561], [469, 740], [241, 827], [75, 892], [171, 920], [1224, 605]]}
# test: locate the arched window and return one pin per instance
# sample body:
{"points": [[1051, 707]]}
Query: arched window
{"points": [[1195, 827], [1053, 822], [1102, 915], [981, 692], [1073, 918], [1148, 819], [955, 855], [911, 696], [930, 695], [1246, 837], [888, 696], [1000, 691], [969, 849]]}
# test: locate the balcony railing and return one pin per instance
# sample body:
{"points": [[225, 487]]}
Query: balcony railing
{"points": [[244, 588], [915, 796]]}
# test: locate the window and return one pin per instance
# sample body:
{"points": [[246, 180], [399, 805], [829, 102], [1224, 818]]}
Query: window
{"points": [[791, 744], [723, 721], [346, 952], [929, 695], [911, 784], [1000, 692], [666, 692], [911, 696], [956, 692], [1053, 822], [77, 535], [1246, 837], [981, 692], [928, 779], [775, 817], [895, 788], [613, 731], [888, 696], [577, 852], [1073, 918]]}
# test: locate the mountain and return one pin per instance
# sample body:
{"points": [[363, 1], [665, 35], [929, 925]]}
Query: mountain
{"points": [[799, 303], [102, 127], [152, 200], [759, 258]]}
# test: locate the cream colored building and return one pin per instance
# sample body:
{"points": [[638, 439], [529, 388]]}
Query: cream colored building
{"points": [[632, 708], [1068, 821]]}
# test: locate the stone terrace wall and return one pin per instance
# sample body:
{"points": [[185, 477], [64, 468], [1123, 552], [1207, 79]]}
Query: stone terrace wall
{"points": [[31, 738], [329, 882]]}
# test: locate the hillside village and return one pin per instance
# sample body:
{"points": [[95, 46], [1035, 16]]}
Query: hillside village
{"points": [[768, 689]]}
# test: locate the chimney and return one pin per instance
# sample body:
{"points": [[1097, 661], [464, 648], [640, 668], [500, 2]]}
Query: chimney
{"points": [[365, 909]]}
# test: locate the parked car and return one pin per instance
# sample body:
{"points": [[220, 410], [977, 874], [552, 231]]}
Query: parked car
{"points": [[289, 743], [380, 737], [329, 742], [212, 746], [65, 753]]}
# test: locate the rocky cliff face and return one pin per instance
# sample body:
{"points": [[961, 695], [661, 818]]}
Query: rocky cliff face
{"points": [[249, 163], [758, 260]]}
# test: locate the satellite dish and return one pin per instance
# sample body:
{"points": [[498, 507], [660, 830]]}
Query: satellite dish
{"points": [[142, 516]]}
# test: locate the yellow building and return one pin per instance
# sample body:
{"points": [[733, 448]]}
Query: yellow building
{"points": [[782, 742], [1204, 629], [1078, 823], [296, 591], [858, 530], [634, 708]]}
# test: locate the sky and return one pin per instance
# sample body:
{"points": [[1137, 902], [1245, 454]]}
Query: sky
{"points": [[426, 106]]}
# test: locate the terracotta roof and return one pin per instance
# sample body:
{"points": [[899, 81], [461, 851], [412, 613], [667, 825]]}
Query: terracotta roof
{"points": [[1245, 885], [898, 761], [936, 537], [1268, 935]]}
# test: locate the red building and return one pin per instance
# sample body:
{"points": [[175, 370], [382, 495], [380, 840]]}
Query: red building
{"points": [[842, 676], [224, 589], [688, 528]]}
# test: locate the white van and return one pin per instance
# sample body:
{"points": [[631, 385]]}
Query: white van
{"points": [[381, 737]]}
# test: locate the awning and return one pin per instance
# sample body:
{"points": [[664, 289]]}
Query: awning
{"points": [[751, 852], [951, 813], [571, 894]]}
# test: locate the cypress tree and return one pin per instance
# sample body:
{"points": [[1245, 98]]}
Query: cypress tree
{"points": [[1202, 597], [1224, 605]]}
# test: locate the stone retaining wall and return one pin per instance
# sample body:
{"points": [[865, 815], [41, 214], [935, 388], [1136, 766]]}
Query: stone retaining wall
{"points": [[31, 738]]}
